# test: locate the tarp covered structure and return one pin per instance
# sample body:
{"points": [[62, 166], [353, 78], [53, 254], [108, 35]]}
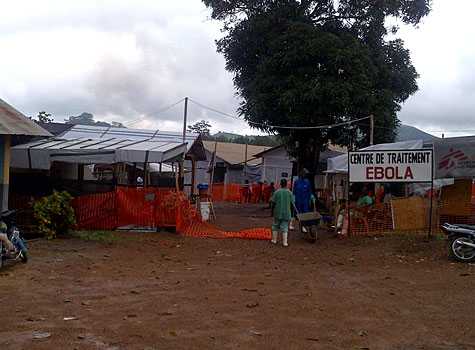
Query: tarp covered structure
{"points": [[84, 144], [40, 154], [340, 164]]}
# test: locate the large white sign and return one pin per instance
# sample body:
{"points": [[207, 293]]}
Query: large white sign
{"points": [[390, 166]]}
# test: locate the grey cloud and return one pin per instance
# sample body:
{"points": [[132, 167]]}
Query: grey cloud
{"points": [[173, 55]]}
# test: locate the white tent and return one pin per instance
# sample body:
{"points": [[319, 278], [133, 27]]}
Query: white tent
{"points": [[339, 164], [40, 154], [90, 144]]}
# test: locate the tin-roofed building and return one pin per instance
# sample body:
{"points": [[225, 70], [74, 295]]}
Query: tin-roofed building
{"points": [[12, 123]]}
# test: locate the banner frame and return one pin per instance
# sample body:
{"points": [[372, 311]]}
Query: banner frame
{"points": [[431, 150]]}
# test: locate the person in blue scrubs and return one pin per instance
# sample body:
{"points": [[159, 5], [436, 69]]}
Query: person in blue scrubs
{"points": [[302, 192]]}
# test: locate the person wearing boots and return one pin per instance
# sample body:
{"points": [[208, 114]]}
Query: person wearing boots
{"points": [[282, 201]]}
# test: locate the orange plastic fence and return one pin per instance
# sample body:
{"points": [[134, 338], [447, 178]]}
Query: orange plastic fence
{"points": [[150, 207], [237, 193], [189, 223], [146, 206], [96, 211], [372, 220], [226, 192]]}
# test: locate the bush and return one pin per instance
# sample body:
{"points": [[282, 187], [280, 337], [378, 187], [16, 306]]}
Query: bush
{"points": [[54, 214]]}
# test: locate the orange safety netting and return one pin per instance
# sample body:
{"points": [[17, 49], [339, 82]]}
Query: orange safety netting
{"points": [[371, 220], [150, 207], [232, 192], [96, 211]]}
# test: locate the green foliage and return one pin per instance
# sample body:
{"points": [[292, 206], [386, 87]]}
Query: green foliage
{"points": [[318, 62], [88, 119], [54, 214], [257, 140], [202, 127], [44, 117]]}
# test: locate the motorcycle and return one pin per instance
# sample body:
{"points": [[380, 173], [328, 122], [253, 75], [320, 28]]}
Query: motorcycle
{"points": [[8, 227], [461, 241]]}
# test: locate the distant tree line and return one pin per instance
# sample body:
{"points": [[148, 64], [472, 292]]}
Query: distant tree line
{"points": [[203, 128]]}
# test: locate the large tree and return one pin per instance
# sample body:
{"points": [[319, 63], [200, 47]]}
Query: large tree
{"points": [[317, 62]]}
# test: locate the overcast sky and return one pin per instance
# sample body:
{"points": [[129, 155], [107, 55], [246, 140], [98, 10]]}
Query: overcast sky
{"points": [[125, 60]]}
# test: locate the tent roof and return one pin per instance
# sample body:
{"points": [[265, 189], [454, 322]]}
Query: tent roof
{"points": [[40, 154], [13, 122], [103, 132], [234, 153]]}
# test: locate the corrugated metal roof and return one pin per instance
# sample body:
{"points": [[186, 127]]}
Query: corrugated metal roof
{"points": [[56, 128], [234, 153], [193, 142], [13, 122], [105, 132]]}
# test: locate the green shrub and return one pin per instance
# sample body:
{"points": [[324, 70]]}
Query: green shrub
{"points": [[54, 214]]}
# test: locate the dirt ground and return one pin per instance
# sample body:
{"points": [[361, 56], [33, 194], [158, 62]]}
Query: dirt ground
{"points": [[164, 291]]}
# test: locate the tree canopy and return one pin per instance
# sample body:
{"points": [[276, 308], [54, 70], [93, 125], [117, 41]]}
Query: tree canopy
{"points": [[45, 117], [88, 119], [202, 127], [318, 62]]}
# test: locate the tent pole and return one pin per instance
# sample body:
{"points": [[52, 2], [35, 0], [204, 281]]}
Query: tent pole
{"points": [[145, 170], [211, 180], [193, 175], [431, 197]]}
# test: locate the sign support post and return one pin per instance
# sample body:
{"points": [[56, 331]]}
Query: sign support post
{"points": [[431, 198]]}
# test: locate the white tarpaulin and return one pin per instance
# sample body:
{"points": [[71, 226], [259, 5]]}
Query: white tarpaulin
{"points": [[40, 154], [340, 164]]}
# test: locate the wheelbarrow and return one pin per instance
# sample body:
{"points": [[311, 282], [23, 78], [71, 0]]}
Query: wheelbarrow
{"points": [[308, 223]]}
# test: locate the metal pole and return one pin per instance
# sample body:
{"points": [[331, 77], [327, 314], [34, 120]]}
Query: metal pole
{"points": [[371, 131], [431, 195], [348, 210], [185, 116]]}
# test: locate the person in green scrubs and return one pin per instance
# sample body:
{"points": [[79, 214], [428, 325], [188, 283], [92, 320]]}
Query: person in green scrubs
{"points": [[282, 202]]}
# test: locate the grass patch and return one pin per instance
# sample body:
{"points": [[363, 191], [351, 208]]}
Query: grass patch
{"points": [[96, 236]]}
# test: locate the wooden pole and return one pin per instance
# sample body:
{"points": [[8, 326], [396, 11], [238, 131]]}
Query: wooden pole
{"points": [[177, 184], [5, 145], [193, 175], [145, 169], [211, 180], [245, 161], [181, 174]]}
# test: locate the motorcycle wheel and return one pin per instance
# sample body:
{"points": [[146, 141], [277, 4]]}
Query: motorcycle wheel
{"points": [[460, 252]]}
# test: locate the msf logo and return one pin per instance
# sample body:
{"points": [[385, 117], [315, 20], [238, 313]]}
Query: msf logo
{"points": [[449, 161]]}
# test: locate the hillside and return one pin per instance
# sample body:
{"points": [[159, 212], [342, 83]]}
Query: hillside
{"points": [[407, 132]]}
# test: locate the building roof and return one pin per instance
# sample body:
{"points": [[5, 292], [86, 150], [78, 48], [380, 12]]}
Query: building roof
{"points": [[234, 153], [13, 122], [193, 141], [56, 128]]}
